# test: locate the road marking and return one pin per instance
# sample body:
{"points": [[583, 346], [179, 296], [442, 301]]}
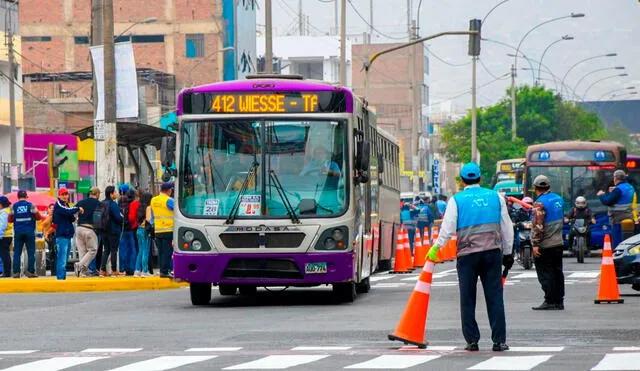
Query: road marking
{"points": [[384, 285], [53, 364], [111, 350], [221, 349], [616, 349], [313, 348], [163, 363], [14, 352], [429, 347], [619, 361], [445, 283], [536, 349], [278, 362], [393, 361], [526, 275], [591, 274], [381, 277], [410, 278], [510, 363]]}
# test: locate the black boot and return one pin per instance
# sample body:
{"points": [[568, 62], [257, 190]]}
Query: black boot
{"points": [[545, 306], [500, 347]]}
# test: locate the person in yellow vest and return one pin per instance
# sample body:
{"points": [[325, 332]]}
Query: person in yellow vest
{"points": [[162, 220], [6, 236]]}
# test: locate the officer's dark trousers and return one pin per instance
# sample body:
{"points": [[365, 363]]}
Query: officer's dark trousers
{"points": [[487, 265], [549, 269]]}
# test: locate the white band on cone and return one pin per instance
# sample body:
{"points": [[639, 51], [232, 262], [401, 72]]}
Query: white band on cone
{"points": [[423, 287]]}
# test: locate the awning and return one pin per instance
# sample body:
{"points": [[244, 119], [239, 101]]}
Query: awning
{"points": [[132, 134]]}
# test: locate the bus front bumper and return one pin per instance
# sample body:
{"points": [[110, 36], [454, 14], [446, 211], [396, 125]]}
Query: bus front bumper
{"points": [[265, 269]]}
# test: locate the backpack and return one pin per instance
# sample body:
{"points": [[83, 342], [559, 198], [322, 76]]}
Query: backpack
{"points": [[124, 208], [101, 217]]}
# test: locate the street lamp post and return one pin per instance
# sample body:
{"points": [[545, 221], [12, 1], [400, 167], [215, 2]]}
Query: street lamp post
{"points": [[575, 88], [612, 92], [624, 95], [142, 21], [563, 38], [602, 79], [584, 60], [223, 50]]}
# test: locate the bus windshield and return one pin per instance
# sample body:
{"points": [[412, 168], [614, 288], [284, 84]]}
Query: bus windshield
{"points": [[263, 168], [572, 181]]}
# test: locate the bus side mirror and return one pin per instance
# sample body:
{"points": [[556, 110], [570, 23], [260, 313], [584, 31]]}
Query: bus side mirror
{"points": [[494, 180], [380, 163], [519, 176], [363, 156], [168, 151]]}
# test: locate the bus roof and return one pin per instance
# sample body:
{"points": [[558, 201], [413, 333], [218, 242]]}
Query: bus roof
{"points": [[266, 84], [388, 135], [575, 145]]}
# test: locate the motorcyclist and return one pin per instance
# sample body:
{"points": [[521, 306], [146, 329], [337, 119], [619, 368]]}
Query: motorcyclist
{"points": [[580, 211], [519, 214]]}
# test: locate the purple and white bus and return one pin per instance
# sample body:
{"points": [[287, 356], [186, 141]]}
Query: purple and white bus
{"points": [[281, 182]]}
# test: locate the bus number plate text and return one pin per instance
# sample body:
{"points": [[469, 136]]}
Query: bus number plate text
{"points": [[315, 268]]}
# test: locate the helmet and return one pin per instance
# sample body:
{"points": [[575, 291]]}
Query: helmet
{"points": [[581, 202], [541, 181], [528, 200]]}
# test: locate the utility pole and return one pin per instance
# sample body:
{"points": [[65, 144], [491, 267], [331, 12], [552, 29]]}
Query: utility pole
{"points": [[336, 17], [343, 42], [370, 21], [474, 52], [513, 103], [107, 170], [415, 163], [268, 48], [300, 19], [96, 39], [12, 99]]}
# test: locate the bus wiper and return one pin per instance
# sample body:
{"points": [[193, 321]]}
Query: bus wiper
{"points": [[283, 195], [245, 184]]}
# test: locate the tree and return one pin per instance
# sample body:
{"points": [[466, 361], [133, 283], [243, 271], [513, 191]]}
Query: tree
{"points": [[542, 117]]}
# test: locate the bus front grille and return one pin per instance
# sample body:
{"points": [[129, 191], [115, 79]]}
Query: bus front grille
{"points": [[254, 240], [261, 268]]}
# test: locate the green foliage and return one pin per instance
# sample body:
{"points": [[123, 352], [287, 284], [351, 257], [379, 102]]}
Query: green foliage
{"points": [[619, 133], [542, 116]]}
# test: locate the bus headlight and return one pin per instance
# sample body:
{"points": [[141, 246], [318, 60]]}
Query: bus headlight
{"points": [[333, 239], [189, 236], [197, 245], [337, 235], [329, 244], [192, 240]]}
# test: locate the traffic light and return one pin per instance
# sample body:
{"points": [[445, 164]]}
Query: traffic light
{"points": [[474, 39], [56, 158]]}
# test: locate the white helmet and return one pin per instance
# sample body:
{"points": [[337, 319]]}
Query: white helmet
{"points": [[581, 202]]}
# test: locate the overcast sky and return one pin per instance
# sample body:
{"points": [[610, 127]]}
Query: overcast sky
{"points": [[610, 26]]}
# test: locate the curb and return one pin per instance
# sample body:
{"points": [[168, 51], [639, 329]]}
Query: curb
{"points": [[93, 284]]}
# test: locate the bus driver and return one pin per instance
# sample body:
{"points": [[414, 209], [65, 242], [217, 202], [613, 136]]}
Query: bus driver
{"points": [[321, 164]]}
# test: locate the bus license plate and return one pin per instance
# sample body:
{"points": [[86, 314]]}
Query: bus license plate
{"points": [[315, 268]]}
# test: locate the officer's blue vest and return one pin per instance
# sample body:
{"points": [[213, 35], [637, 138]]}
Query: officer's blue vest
{"points": [[626, 199], [423, 216], [23, 219], [553, 219], [405, 218], [478, 224]]}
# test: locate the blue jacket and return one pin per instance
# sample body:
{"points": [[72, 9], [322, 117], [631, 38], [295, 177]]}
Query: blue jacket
{"points": [[63, 218], [24, 217], [553, 219], [115, 218], [619, 201]]}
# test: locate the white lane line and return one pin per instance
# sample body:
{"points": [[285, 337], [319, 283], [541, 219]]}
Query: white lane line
{"points": [[381, 277], [386, 285], [314, 348], [13, 352], [591, 274], [448, 272], [53, 364], [536, 349], [526, 275], [163, 363], [393, 362], [616, 349], [220, 349], [278, 362], [619, 361], [429, 347], [445, 283], [410, 278], [510, 363], [111, 350]]}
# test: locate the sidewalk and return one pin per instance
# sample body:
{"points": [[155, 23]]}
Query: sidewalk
{"points": [[93, 284]]}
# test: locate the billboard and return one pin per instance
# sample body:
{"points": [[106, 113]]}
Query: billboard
{"points": [[240, 33]]}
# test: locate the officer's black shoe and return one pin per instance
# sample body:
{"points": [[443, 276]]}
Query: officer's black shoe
{"points": [[500, 347], [472, 347], [545, 306], [560, 306]]}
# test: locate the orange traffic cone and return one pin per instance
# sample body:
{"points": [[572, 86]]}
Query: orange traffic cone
{"points": [[399, 265], [408, 259], [452, 248], [410, 329], [608, 291], [420, 251], [425, 238]]}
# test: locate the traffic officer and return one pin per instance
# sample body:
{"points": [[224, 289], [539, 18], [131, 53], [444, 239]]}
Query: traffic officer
{"points": [[162, 211], [619, 200], [485, 239], [546, 238], [24, 215], [6, 236]]}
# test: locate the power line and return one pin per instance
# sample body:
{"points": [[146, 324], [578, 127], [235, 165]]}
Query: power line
{"points": [[371, 26], [445, 61], [297, 17]]}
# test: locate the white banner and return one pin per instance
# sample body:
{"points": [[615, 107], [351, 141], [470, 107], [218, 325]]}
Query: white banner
{"points": [[126, 80]]}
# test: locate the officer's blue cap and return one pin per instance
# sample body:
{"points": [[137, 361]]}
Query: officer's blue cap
{"points": [[470, 170], [124, 188], [166, 186]]}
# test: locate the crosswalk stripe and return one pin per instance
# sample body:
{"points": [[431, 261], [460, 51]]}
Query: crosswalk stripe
{"points": [[526, 275], [410, 278], [53, 364], [620, 349], [219, 349], [314, 348], [429, 347], [619, 361], [536, 349], [277, 362], [111, 350], [15, 352], [510, 363], [163, 363], [393, 285], [592, 274], [381, 277], [393, 362]]}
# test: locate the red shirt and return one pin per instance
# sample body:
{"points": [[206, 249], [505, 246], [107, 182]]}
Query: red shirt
{"points": [[133, 214]]}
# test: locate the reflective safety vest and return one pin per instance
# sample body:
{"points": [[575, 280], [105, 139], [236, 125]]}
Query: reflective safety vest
{"points": [[553, 219], [622, 209], [478, 224], [9, 231], [23, 219], [162, 215], [406, 219]]}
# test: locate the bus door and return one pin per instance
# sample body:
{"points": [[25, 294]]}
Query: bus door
{"points": [[365, 254]]}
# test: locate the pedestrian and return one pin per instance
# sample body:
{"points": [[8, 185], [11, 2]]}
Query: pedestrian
{"points": [[480, 218], [49, 235], [63, 217], [6, 233], [619, 200], [425, 218], [111, 236], [162, 210], [546, 238], [442, 205], [143, 218], [24, 215], [86, 236], [408, 219], [127, 244]]}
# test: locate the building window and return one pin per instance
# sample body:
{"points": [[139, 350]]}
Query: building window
{"points": [[81, 40], [36, 38], [139, 39], [194, 45], [309, 70]]}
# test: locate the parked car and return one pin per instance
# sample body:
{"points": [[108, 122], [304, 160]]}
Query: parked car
{"points": [[626, 259]]}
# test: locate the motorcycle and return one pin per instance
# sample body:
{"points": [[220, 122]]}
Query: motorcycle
{"points": [[525, 253], [579, 247]]}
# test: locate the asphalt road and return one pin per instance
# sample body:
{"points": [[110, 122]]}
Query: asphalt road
{"points": [[304, 329]]}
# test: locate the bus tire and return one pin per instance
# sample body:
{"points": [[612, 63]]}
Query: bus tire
{"points": [[384, 265], [227, 290], [345, 292], [200, 293], [364, 286], [248, 290]]}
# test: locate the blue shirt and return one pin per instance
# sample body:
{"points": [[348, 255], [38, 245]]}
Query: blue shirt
{"points": [[442, 206], [319, 166], [4, 222]]}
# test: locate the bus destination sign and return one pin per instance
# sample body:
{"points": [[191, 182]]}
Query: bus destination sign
{"points": [[270, 102]]}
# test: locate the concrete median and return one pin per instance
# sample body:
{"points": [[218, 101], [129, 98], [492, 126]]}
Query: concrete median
{"points": [[94, 284]]}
